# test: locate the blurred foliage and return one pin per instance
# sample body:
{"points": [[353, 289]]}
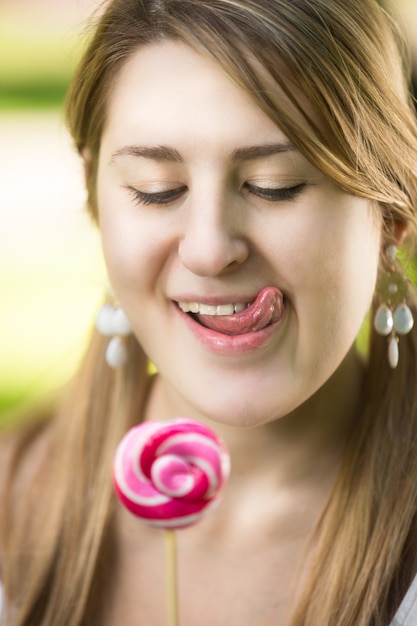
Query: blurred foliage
{"points": [[36, 65], [44, 327]]}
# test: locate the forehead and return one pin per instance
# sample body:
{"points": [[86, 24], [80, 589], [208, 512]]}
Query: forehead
{"points": [[169, 88]]}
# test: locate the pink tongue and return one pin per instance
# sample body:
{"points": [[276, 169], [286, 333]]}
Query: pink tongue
{"points": [[266, 309]]}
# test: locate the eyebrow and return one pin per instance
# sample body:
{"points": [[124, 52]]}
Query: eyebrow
{"points": [[157, 153], [257, 152], [166, 153]]}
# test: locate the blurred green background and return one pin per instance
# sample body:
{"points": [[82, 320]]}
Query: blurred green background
{"points": [[51, 272]]}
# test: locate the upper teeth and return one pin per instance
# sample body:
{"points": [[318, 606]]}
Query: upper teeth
{"points": [[212, 309]]}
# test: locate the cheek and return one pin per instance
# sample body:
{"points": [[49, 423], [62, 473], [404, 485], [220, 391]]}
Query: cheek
{"points": [[350, 293], [341, 249], [121, 254], [334, 276], [132, 243]]}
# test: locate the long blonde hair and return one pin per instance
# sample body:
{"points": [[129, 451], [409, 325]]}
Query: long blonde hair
{"points": [[344, 58]]}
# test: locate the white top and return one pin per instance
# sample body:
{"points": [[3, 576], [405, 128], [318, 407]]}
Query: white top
{"points": [[407, 613], [405, 616]]}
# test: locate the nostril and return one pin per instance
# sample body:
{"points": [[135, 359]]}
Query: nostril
{"points": [[211, 256]]}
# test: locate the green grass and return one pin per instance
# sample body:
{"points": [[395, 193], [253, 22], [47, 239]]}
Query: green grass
{"points": [[37, 94], [36, 65]]}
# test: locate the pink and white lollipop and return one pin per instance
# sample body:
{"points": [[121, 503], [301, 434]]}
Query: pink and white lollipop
{"points": [[169, 474]]}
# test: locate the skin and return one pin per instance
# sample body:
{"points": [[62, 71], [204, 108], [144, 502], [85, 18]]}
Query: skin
{"points": [[220, 239], [218, 242]]}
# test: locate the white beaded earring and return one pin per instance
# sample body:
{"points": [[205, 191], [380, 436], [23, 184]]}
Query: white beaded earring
{"points": [[393, 317], [111, 321]]}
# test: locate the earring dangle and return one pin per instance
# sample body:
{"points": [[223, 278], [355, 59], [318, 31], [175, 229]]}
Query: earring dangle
{"points": [[111, 321], [393, 317]]}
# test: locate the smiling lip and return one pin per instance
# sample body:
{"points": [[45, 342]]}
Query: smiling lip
{"points": [[245, 331]]}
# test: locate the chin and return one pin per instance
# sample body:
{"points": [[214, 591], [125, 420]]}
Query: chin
{"points": [[236, 411]]}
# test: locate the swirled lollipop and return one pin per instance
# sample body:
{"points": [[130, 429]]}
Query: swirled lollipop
{"points": [[169, 474]]}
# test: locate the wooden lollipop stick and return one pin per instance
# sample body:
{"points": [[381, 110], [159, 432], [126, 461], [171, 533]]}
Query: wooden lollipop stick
{"points": [[171, 573]]}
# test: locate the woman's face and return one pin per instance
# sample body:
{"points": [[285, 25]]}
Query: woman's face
{"points": [[205, 206]]}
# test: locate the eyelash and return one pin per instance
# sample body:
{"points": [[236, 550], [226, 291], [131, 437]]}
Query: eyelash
{"points": [[161, 198], [280, 194]]}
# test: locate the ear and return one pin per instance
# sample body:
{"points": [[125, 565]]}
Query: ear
{"points": [[400, 232], [87, 159], [89, 180]]}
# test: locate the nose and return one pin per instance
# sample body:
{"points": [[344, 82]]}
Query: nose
{"points": [[213, 241]]}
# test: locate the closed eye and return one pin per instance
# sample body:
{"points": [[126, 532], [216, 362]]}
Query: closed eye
{"points": [[157, 197], [277, 194]]}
